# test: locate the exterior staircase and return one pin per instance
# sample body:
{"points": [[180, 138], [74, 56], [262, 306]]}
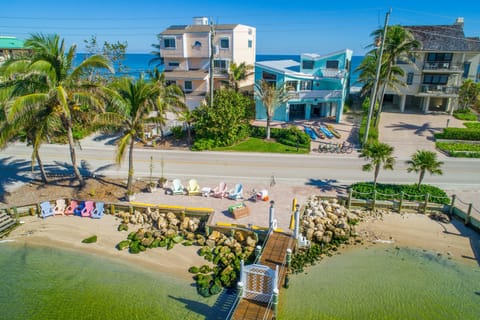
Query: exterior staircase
{"points": [[6, 222]]}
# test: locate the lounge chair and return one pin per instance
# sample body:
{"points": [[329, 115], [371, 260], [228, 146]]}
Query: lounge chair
{"points": [[70, 210], [177, 188], [60, 207], [78, 210], [221, 191], [47, 209], [87, 209], [236, 193], [193, 188], [97, 213]]}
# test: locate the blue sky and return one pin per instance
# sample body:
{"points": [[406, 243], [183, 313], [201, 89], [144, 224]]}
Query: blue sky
{"points": [[283, 27]]}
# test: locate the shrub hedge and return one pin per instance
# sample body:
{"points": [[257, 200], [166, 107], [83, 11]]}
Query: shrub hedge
{"points": [[411, 192], [465, 114], [459, 134], [288, 136], [472, 125]]}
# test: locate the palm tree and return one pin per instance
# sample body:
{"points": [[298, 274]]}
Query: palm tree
{"points": [[53, 87], [238, 73], [272, 97], [131, 101], [157, 59], [424, 161], [380, 156], [170, 98]]}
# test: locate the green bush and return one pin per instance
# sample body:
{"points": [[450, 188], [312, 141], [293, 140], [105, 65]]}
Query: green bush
{"points": [[287, 136], [177, 132], [465, 114], [452, 147], [203, 144], [364, 190], [472, 125], [459, 134]]}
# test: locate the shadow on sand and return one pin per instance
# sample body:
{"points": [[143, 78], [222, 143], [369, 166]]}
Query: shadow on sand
{"points": [[328, 185], [12, 171], [424, 130]]}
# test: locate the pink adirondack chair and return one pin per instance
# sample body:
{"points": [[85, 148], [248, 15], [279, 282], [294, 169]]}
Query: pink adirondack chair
{"points": [[88, 209], [221, 191], [70, 210]]}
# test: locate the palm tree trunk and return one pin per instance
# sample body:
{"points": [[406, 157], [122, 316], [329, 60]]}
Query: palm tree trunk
{"points": [[130, 167], [268, 127], [420, 179], [73, 155], [40, 165]]}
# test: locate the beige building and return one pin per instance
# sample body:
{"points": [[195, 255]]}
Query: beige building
{"points": [[185, 50], [443, 61]]}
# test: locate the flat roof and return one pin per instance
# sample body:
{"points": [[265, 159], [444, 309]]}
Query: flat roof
{"points": [[181, 29], [193, 75], [288, 67], [10, 43]]}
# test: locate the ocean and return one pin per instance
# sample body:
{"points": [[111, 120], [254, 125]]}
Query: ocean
{"points": [[137, 63]]}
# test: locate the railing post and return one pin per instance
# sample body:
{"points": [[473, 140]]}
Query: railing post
{"points": [[297, 222], [400, 203], [374, 199], [271, 214], [427, 196], [349, 200], [258, 250], [289, 257], [275, 292], [452, 205], [469, 212]]}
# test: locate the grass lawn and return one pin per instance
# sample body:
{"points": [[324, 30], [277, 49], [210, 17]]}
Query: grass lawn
{"points": [[260, 145]]}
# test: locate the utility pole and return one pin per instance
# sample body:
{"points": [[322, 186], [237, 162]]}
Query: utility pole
{"points": [[373, 96], [212, 52]]}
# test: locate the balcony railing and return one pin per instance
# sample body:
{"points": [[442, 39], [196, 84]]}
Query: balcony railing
{"points": [[315, 94], [441, 65], [333, 73], [429, 88]]}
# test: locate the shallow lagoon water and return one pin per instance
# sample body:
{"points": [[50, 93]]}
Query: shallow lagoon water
{"points": [[384, 282], [47, 283]]}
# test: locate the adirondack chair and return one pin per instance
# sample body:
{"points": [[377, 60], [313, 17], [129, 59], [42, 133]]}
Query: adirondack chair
{"points": [[236, 193], [177, 187], [47, 209], [78, 210], [87, 210], [70, 210], [97, 213], [193, 188], [60, 207], [221, 191]]}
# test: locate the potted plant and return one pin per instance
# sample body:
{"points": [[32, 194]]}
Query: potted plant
{"points": [[152, 186]]}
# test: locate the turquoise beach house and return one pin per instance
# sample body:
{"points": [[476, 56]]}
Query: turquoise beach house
{"points": [[318, 86]]}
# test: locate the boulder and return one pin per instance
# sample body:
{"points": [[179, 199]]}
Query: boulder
{"points": [[251, 242], [210, 243]]}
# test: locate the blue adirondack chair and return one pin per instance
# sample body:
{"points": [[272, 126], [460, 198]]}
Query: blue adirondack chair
{"points": [[236, 193], [78, 210], [97, 213], [47, 209]]}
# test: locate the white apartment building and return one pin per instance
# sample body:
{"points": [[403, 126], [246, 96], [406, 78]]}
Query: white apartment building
{"points": [[186, 49]]}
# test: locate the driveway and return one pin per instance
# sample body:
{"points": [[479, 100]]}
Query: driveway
{"points": [[409, 132]]}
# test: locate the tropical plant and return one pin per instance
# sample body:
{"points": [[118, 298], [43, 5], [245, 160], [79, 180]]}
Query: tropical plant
{"points": [[272, 96], [188, 119], [469, 94], [50, 87], [380, 156], [169, 98], [131, 103], [424, 161], [157, 58], [238, 73]]}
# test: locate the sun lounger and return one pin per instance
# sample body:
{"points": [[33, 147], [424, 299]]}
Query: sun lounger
{"points": [[47, 209], [60, 207], [97, 213], [334, 131], [310, 132]]}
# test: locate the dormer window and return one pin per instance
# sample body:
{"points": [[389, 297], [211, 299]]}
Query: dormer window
{"points": [[332, 64], [307, 64]]}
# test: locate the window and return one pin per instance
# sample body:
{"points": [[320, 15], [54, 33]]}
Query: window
{"points": [[306, 85], [410, 78], [466, 69], [174, 64], [250, 31], [332, 64], [440, 79], [307, 64], [291, 85], [224, 43], [437, 56], [169, 43], [220, 64], [188, 86], [269, 77], [250, 43]]}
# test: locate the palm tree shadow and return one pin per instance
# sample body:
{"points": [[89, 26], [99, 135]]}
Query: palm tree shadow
{"points": [[109, 138], [327, 185], [13, 171], [424, 130]]}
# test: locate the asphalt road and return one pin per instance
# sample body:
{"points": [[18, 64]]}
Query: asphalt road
{"points": [[315, 169]]}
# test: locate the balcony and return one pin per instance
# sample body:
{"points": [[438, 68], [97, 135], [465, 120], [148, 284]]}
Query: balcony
{"points": [[442, 66], [439, 89], [315, 94], [333, 73]]}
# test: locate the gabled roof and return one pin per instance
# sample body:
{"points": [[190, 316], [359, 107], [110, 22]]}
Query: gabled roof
{"points": [[440, 37], [287, 67], [177, 30], [474, 43], [10, 43]]}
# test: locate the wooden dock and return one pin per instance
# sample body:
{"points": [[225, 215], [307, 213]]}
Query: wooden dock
{"points": [[274, 254]]}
